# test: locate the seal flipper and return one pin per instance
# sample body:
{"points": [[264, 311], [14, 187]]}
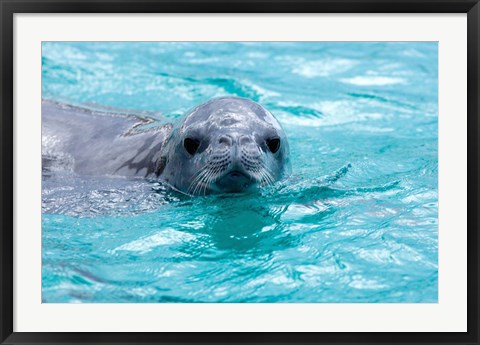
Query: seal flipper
{"points": [[161, 164]]}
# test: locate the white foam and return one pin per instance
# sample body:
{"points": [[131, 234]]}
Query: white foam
{"points": [[413, 53], [263, 93], [372, 129], [65, 53], [323, 68], [359, 282], [205, 60], [373, 81], [257, 55], [164, 237]]}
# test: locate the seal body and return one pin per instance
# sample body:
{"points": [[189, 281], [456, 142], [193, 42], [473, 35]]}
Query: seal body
{"points": [[99, 143], [227, 144]]}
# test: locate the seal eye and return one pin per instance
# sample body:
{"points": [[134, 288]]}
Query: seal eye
{"points": [[191, 145], [273, 144]]}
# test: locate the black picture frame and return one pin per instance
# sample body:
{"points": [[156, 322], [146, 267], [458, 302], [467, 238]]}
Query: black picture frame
{"points": [[9, 7]]}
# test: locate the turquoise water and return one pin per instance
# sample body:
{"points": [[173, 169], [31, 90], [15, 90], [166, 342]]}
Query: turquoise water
{"points": [[356, 222]]}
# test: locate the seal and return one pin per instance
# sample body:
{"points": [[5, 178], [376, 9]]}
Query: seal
{"points": [[224, 145]]}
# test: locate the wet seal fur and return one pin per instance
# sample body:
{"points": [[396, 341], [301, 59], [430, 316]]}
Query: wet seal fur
{"points": [[227, 144]]}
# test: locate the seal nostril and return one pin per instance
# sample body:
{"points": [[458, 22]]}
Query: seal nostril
{"points": [[244, 140], [225, 140]]}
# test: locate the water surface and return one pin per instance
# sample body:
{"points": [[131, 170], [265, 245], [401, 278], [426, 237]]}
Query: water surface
{"points": [[356, 222]]}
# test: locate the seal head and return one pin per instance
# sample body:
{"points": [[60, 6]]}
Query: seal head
{"points": [[225, 145]]}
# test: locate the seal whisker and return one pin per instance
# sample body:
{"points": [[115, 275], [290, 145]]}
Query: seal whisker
{"points": [[197, 176], [193, 183], [261, 176], [270, 177], [215, 172], [267, 175], [198, 179], [256, 173], [206, 181], [200, 184]]}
